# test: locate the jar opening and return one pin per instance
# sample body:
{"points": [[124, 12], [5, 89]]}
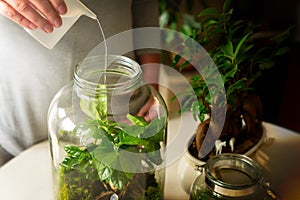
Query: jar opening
{"points": [[104, 74], [232, 175]]}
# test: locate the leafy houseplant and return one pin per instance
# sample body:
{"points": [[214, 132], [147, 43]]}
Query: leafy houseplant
{"points": [[240, 59], [102, 146]]}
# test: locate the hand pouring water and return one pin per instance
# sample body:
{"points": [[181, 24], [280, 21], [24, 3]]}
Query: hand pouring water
{"points": [[75, 10]]}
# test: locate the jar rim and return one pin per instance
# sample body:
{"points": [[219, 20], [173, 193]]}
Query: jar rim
{"points": [[235, 163], [101, 65]]}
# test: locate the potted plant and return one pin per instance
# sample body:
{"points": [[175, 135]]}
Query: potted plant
{"points": [[240, 58]]}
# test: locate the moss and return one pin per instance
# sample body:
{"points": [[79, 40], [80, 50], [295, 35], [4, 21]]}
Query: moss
{"points": [[75, 184]]}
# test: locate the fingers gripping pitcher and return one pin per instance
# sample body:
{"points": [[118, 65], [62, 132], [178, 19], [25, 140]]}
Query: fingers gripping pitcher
{"points": [[75, 10]]}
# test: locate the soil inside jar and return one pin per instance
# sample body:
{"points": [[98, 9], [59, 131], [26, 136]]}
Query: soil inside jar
{"points": [[232, 176], [76, 185]]}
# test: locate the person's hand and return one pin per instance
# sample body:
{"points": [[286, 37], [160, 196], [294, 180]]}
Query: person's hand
{"points": [[32, 14]]}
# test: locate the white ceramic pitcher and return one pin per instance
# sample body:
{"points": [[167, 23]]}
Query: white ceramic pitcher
{"points": [[75, 10]]}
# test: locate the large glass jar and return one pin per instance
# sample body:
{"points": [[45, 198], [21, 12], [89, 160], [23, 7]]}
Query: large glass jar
{"points": [[231, 176], [107, 131]]}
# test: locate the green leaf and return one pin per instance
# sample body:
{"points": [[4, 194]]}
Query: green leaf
{"points": [[191, 21], [248, 48], [239, 45], [231, 73], [237, 86], [208, 27], [130, 162], [75, 158], [89, 107], [175, 60], [228, 49], [202, 117], [225, 5], [281, 37], [163, 19], [282, 51], [136, 120], [105, 152], [132, 130], [266, 64], [119, 179], [131, 140], [104, 171], [184, 65], [104, 162], [186, 29], [155, 127], [209, 11]]}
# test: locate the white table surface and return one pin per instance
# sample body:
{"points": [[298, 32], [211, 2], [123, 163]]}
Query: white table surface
{"points": [[28, 176]]}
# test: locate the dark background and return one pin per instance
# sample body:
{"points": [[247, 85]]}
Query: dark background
{"points": [[279, 88]]}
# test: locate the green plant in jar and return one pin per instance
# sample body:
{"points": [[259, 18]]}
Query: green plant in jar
{"points": [[111, 151]]}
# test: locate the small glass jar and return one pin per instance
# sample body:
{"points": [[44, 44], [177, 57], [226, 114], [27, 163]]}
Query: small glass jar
{"points": [[231, 176], [107, 132]]}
